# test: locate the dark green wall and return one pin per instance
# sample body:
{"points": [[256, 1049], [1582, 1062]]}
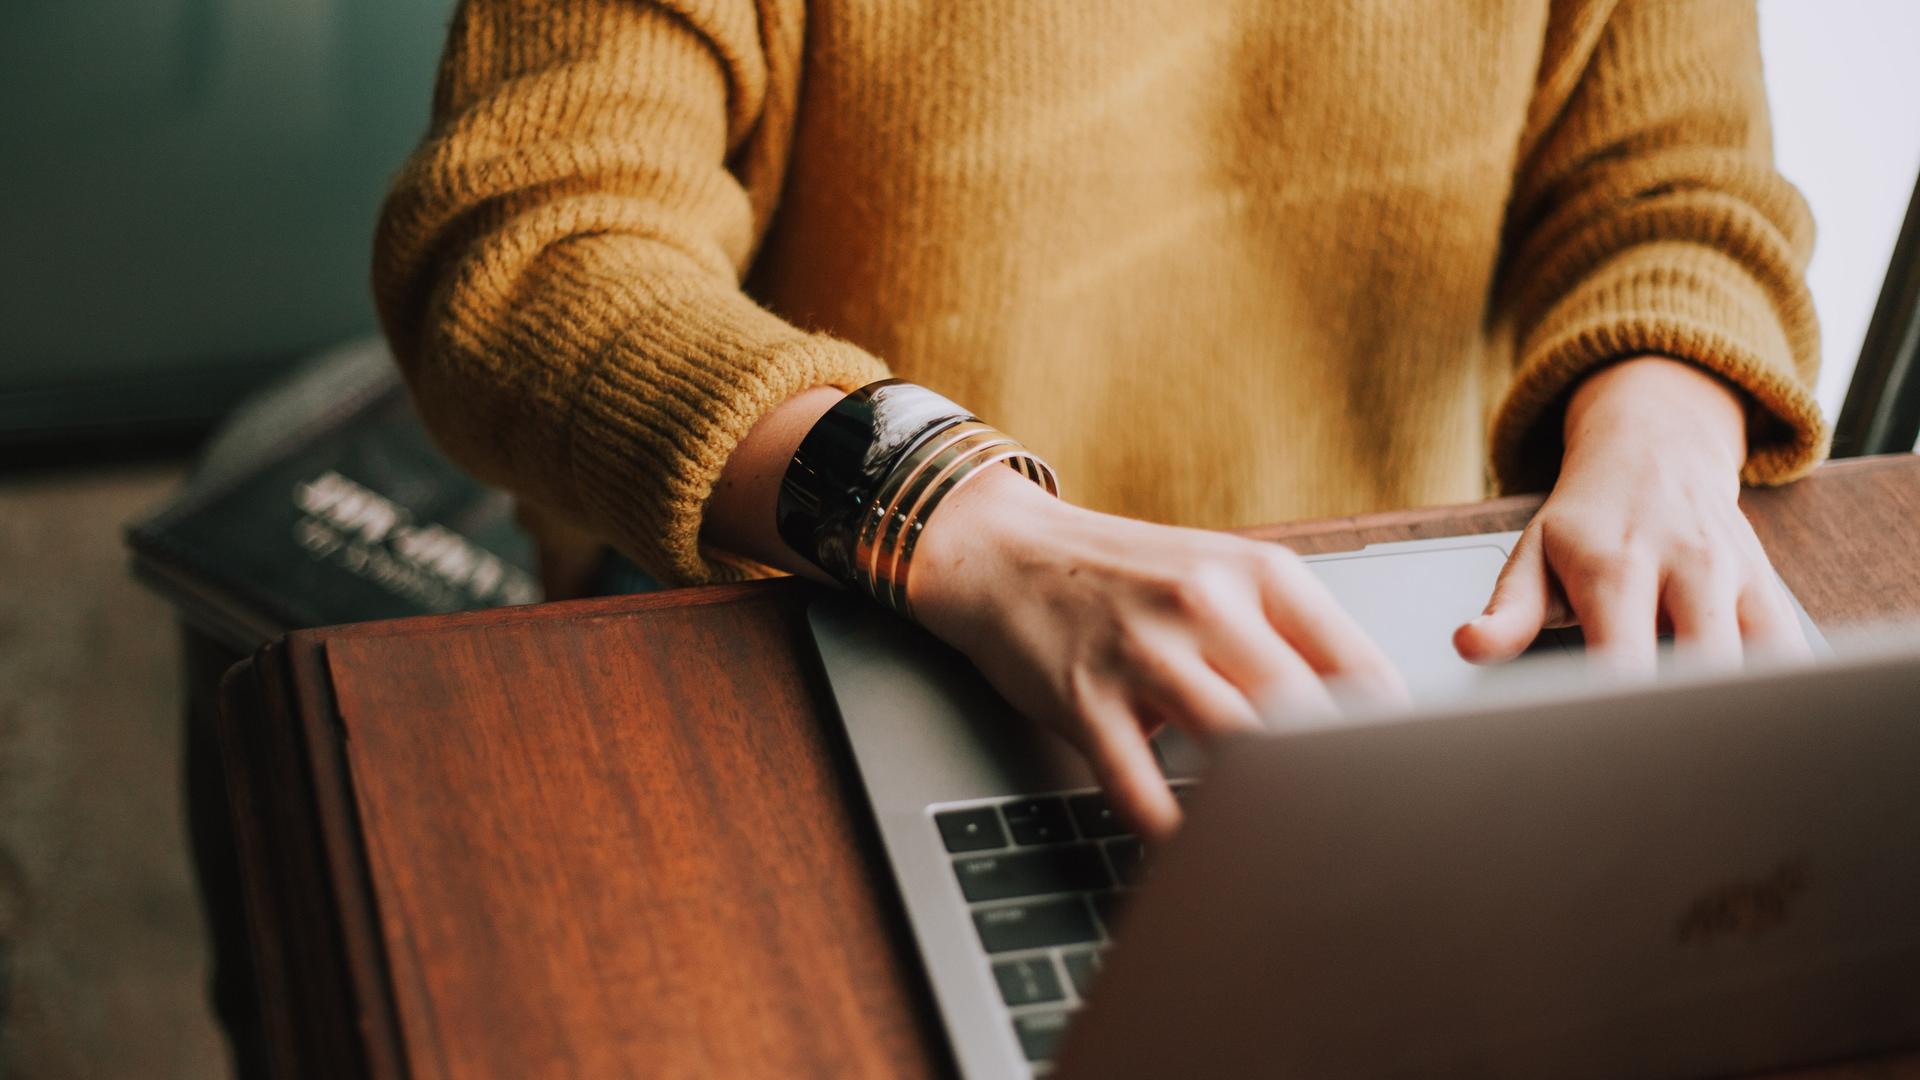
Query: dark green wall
{"points": [[188, 187]]}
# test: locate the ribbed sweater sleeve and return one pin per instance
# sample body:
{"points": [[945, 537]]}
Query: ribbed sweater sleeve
{"points": [[1647, 218], [558, 267]]}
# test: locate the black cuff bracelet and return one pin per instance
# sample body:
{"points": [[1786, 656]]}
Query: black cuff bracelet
{"points": [[840, 466]]}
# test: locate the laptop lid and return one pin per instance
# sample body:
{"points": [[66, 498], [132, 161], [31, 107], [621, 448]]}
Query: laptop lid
{"points": [[1707, 877]]}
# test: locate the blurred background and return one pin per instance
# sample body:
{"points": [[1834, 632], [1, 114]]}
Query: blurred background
{"points": [[187, 192]]}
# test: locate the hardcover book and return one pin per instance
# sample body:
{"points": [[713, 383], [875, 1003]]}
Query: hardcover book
{"points": [[324, 501]]}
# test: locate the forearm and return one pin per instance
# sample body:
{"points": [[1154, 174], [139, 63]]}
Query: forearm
{"points": [[740, 516]]}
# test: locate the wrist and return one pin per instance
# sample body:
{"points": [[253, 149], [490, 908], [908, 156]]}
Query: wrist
{"points": [[1655, 404], [866, 480], [964, 546]]}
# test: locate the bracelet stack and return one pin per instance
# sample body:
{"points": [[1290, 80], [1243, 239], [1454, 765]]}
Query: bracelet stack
{"points": [[868, 477]]}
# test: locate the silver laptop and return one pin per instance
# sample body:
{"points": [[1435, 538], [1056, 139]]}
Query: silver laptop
{"points": [[1015, 873]]}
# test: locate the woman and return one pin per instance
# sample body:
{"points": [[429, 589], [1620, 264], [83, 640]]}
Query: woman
{"points": [[1219, 264]]}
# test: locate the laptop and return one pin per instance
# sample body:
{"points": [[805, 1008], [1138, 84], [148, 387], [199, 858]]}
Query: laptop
{"points": [[1710, 877], [1016, 876]]}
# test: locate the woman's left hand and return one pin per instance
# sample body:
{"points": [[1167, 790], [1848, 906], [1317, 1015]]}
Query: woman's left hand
{"points": [[1643, 532]]}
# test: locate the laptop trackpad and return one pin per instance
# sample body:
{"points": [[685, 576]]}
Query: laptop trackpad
{"points": [[1411, 602]]}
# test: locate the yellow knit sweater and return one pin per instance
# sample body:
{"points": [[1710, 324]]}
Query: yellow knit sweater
{"points": [[1222, 262]]}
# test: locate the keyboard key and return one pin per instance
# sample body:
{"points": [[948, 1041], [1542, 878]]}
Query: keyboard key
{"points": [[1035, 925], [1038, 821], [1108, 905], [971, 830], [1028, 982], [1095, 816], [1126, 855], [1082, 964], [1032, 873], [1040, 1033]]}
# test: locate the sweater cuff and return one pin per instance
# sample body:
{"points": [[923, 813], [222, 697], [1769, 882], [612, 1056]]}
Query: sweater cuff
{"points": [[656, 426], [1678, 300]]}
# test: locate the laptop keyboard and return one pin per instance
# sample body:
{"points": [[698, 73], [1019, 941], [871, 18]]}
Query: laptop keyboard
{"points": [[1043, 877]]}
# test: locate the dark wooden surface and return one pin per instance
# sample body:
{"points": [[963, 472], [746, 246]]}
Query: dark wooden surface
{"points": [[623, 837]]}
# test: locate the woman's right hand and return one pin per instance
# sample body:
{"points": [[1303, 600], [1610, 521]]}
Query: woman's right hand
{"points": [[1105, 628]]}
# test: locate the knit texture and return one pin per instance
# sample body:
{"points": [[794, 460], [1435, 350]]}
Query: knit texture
{"points": [[1221, 263]]}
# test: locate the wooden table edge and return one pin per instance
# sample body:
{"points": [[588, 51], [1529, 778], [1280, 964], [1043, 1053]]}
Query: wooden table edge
{"points": [[310, 901]]}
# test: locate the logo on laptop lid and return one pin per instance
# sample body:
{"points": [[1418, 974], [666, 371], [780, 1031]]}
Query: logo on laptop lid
{"points": [[1743, 909]]}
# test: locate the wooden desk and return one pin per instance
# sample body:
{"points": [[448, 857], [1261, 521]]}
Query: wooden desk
{"points": [[623, 837]]}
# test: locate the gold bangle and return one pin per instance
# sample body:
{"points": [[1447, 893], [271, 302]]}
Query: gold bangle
{"points": [[929, 475], [886, 501], [1022, 461], [891, 527]]}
